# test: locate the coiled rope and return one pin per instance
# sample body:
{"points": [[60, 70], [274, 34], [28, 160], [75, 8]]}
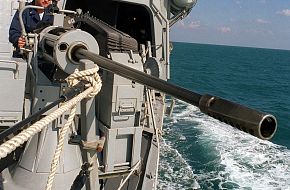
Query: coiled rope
{"points": [[93, 87]]}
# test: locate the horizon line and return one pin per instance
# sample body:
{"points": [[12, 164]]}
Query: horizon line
{"points": [[232, 45]]}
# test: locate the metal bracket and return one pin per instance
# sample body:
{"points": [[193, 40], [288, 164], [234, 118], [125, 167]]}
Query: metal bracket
{"points": [[97, 145]]}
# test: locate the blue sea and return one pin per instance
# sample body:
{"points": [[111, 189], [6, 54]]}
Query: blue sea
{"points": [[220, 156]]}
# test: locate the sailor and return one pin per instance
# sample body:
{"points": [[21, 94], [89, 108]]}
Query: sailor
{"points": [[31, 17]]}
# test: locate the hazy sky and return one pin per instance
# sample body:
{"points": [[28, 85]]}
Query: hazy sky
{"points": [[251, 23]]}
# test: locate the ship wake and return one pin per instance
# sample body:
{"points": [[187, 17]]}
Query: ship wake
{"points": [[221, 156]]}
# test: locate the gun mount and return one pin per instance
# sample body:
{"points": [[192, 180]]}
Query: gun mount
{"points": [[261, 125]]}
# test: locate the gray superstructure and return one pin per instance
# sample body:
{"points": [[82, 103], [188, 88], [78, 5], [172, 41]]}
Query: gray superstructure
{"points": [[113, 142]]}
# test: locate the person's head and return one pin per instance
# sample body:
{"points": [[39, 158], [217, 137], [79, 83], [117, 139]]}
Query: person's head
{"points": [[42, 3]]}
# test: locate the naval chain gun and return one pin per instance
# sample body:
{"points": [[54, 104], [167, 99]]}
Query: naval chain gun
{"points": [[113, 140]]}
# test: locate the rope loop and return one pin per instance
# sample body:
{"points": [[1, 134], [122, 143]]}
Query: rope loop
{"points": [[90, 75], [95, 83]]}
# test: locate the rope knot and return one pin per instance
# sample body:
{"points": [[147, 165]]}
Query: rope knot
{"points": [[90, 75]]}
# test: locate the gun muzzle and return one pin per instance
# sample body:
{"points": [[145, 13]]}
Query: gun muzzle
{"points": [[256, 123]]}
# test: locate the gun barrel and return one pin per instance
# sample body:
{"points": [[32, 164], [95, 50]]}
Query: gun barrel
{"points": [[256, 123]]}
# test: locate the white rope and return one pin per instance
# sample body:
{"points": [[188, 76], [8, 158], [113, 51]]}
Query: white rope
{"points": [[156, 130], [10, 145], [94, 86], [93, 78], [128, 176], [58, 149]]}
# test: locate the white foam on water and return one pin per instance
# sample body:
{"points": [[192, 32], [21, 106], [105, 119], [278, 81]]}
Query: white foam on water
{"points": [[175, 172], [246, 161]]}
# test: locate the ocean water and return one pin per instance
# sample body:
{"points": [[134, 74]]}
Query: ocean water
{"points": [[220, 156]]}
